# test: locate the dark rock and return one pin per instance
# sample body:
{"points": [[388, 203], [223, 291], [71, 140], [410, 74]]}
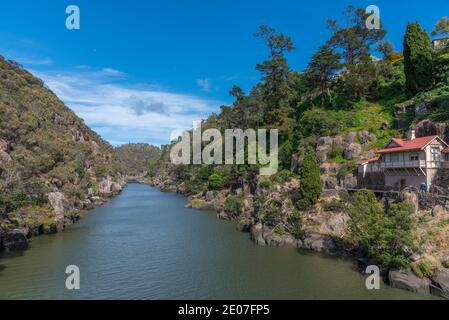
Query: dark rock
{"points": [[15, 240], [331, 182], [400, 123], [318, 242], [350, 137], [429, 128], [349, 181], [244, 225], [406, 280], [352, 151], [421, 109], [440, 284]]}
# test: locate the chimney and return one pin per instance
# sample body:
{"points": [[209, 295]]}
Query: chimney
{"points": [[413, 135]]}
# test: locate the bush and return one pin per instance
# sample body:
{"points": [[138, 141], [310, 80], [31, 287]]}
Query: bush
{"points": [[426, 269], [270, 211], [336, 152], [416, 270], [442, 69], [234, 204], [310, 181], [218, 180], [333, 206], [381, 236]]}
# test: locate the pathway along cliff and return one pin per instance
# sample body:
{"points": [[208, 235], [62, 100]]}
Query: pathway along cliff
{"points": [[145, 245]]}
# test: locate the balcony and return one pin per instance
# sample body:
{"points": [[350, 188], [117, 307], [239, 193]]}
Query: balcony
{"points": [[403, 164], [415, 164]]}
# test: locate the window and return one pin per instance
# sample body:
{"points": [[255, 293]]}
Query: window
{"points": [[446, 156], [414, 157], [435, 154]]}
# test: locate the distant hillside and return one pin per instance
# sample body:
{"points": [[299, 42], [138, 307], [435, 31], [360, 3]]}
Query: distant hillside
{"points": [[136, 158], [52, 166]]}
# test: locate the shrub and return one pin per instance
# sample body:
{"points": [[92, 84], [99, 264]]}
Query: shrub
{"points": [[333, 206], [270, 211], [426, 269], [310, 182], [279, 230], [296, 222], [234, 204], [336, 152], [442, 69], [218, 180], [381, 236], [416, 270]]}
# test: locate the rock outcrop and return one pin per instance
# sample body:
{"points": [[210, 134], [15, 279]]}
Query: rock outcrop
{"points": [[440, 284], [14, 240], [406, 280]]}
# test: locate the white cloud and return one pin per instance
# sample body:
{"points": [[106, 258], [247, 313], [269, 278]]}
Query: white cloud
{"points": [[204, 84], [122, 113]]}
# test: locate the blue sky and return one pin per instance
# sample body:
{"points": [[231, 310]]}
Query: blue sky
{"points": [[137, 70]]}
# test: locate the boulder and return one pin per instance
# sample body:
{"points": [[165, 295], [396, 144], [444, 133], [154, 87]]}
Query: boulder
{"points": [[15, 240], [331, 182], [57, 200], [352, 151], [421, 109], [406, 280], [440, 284], [400, 123], [439, 211], [318, 242], [349, 181], [244, 225], [257, 234], [350, 137], [290, 241], [322, 152], [428, 128]]}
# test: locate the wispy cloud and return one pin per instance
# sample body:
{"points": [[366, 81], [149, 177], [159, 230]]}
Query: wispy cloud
{"points": [[204, 84], [124, 113]]}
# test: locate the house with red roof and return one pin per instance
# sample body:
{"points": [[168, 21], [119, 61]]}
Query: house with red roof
{"points": [[405, 163]]}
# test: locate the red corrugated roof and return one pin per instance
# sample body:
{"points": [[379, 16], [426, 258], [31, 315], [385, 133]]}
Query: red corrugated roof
{"points": [[446, 150], [410, 145]]}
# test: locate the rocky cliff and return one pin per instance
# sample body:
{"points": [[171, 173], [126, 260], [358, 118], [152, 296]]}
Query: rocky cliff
{"points": [[52, 166]]}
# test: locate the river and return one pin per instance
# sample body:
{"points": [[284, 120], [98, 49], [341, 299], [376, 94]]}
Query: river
{"points": [[145, 245]]}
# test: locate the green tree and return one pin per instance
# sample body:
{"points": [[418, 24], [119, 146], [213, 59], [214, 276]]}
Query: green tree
{"points": [[402, 222], [322, 68], [218, 180], [386, 48], [276, 74], [368, 222], [418, 61], [442, 27], [310, 182], [385, 237], [356, 41]]}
